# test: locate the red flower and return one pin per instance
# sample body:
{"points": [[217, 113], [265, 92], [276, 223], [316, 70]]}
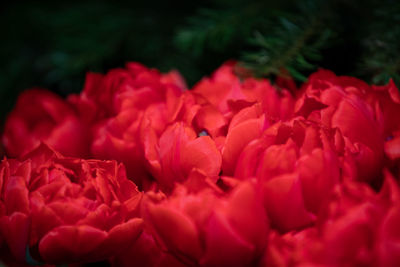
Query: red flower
{"points": [[178, 152], [222, 87], [121, 104], [357, 227], [41, 116], [101, 94], [220, 165], [297, 164], [365, 116], [227, 92], [65, 210], [208, 230]]}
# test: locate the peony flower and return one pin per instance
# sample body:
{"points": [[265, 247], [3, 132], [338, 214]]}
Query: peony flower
{"points": [[100, 97], [210, 230], [297, 164], [178, 152], [364, 115], [357, 227], [121, 105], [61, 210], [42, 116], [237, 172], [229, 94]]}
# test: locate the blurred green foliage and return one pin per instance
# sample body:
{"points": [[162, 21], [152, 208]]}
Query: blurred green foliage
{"points": [[52, 44], [359, 38]]}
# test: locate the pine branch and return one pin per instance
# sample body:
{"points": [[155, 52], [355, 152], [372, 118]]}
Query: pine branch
{"points": [[274, 39], [381, 56], [218, 29], [293, 45]]}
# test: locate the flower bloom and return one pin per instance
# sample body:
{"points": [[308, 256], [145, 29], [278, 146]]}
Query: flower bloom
{"points": [[66, 210], [179, 151], [357, 227], [42, 116], [364, 115], [210, 230], [100, 97], [238, 171], [297, 163], [118, 104], [229, 93]]}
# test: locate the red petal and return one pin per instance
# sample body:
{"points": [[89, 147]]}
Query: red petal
{"points": [[247, 215], [350, 235], [175, 78], [16, 195], [210, 119], [253, 112], [277, 159], [356, 121], [69, 211], [319, 172], [249, 159], [92, 82], [388, 244], [171, 143], [238, 137], [15, 229], [284, 202], [184, 239], [201, 154], [145, 252], [43, 218], [392, 148], [70, 138], [224, 247], [68, 244], [390, 190], [119, 238], [218, 89]]}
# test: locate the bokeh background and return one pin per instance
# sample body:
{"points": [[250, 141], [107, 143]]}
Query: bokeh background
{"points": [[52, 44]]}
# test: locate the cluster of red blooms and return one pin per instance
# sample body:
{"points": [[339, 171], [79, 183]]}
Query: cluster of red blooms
{"points": [[137, 170]]}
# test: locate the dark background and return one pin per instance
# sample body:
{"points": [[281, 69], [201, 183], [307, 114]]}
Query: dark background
{"points": [[52, 44]]}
